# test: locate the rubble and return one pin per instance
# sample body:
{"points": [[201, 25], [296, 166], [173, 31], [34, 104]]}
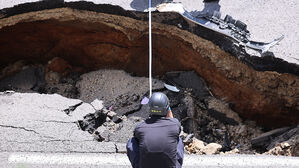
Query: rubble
{"points": [[212, 148], [234, 151], [195, 146], [28, 79], [223, 107], [286, 144], [264, 140], [12, 68], [97, 104], [210, 124], [52, 78], [284, 137], [92, 121], [287, 148], [190, 80]]}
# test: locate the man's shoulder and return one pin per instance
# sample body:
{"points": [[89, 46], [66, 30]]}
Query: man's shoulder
{"points": [[174, 120], [163, 121], [140, 124]]}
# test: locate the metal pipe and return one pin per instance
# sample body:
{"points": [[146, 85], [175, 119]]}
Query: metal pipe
{"points": [[150, 46]]}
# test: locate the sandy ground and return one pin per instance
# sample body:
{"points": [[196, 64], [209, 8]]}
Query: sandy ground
{"points": [[266, 19]]}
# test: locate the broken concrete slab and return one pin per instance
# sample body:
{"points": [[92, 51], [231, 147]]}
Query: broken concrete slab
{"points": [[35, 118], [97, 104], [189, 80]]}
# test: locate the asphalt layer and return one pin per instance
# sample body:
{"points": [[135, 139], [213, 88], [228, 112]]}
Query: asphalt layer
{"points": [[265, 19]]}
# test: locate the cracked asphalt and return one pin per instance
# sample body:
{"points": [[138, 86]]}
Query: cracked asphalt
{"points": [[34, 122], [35, 131]]}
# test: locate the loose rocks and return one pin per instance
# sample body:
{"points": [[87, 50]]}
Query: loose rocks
{"points": [[211, 148], [199, 147]]}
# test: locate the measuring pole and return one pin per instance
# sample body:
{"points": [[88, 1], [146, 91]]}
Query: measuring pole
{"points": [[150, 45]]}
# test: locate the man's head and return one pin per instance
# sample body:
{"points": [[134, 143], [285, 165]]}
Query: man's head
{"points": [[159, 104]]}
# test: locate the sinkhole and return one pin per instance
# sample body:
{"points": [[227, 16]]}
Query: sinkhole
{"points": [[66, 41]]}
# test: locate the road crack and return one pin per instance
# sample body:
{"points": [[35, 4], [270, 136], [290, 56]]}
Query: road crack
{"points": [[22, 128], [116, 148], [55, 121], [26, 129]]}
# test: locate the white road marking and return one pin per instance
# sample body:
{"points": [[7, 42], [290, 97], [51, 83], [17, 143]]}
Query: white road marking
{"points": [[70, 159], [242, 161], [122, 160]]}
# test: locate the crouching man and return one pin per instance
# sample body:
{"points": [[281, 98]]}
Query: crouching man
{"points": [[156, 142]]}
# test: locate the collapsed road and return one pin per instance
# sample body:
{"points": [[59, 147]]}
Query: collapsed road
{"points": [[228, 98], [108, 108], [111, 37]]}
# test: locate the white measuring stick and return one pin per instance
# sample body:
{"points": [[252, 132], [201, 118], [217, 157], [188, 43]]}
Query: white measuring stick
{"points": [[150, 45]]}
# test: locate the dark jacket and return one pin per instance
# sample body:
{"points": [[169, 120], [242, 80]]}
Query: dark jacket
{"points": [[158, 138]]}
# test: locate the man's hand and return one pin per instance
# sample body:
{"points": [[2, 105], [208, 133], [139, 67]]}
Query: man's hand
{"points": [[169, 113]]}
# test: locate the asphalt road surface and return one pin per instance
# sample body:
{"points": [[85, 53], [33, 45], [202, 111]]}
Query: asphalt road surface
{"points": [[103, 160]]}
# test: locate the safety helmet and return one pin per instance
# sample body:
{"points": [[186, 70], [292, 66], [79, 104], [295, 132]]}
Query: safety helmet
{"points": [[159, 104]]}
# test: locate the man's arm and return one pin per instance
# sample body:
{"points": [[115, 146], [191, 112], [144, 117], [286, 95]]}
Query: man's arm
{"points": [[169, 113]]}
